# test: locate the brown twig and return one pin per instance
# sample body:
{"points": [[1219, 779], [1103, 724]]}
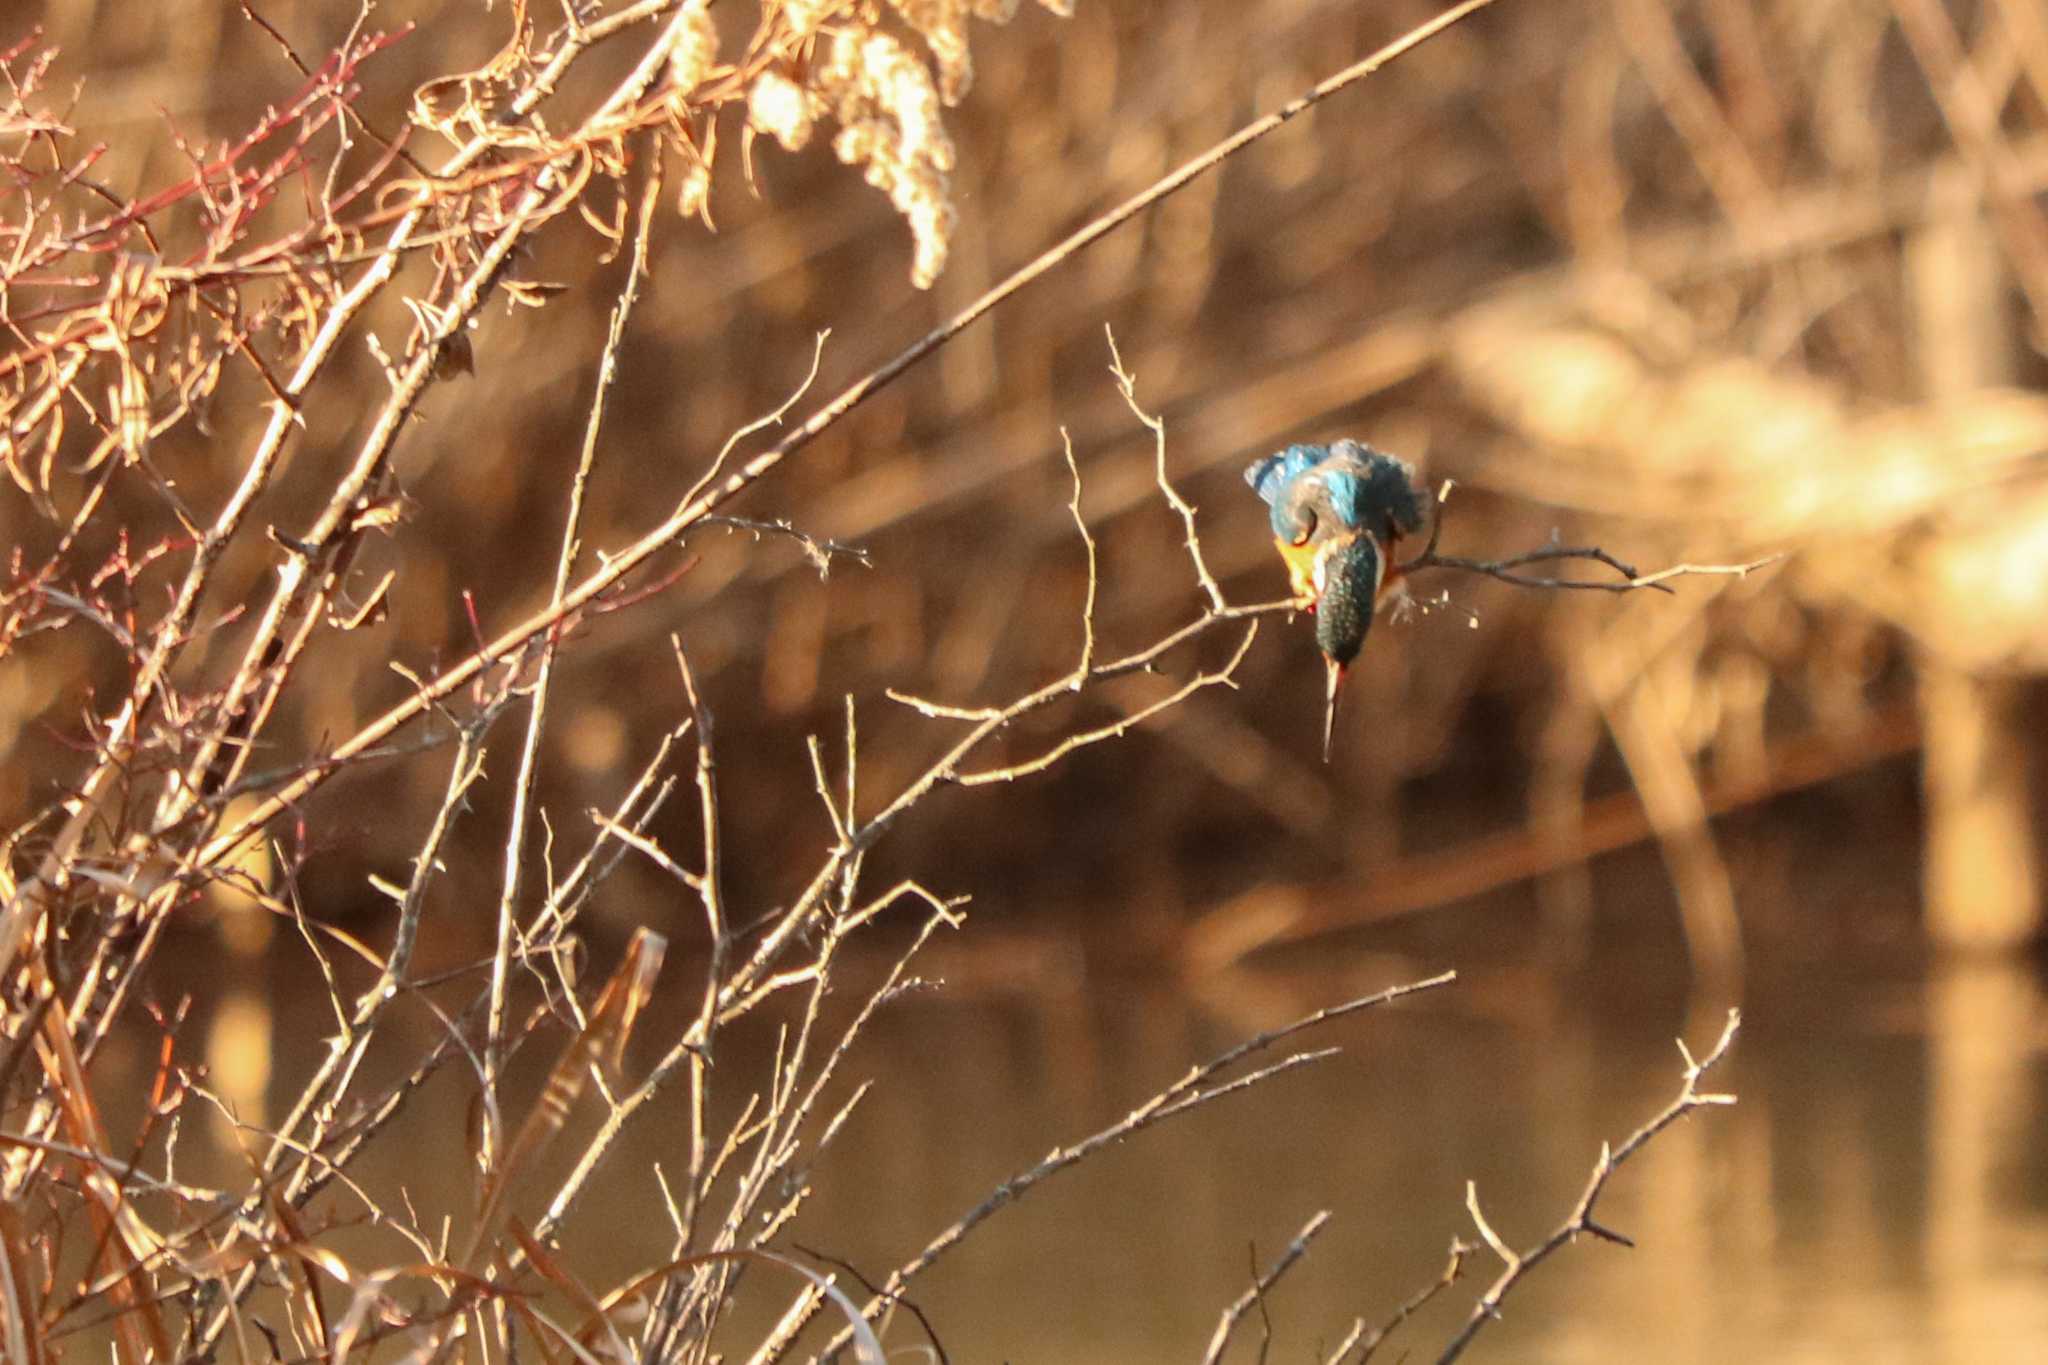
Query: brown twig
{"points": [[1127, 385], [1366, 1342], [1630, 580], [1197, 1088], [1516, 1265], [515, 859], [1256, 1294]]}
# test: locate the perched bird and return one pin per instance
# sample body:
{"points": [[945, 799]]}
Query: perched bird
{"points": [[1336, 512]]}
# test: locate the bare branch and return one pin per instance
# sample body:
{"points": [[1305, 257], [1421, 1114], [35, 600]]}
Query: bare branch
{"points": [[1085, 667], [821, 552], [1127, 384], [1518, 1264], [536, 721], [1365, 1343], [1225, 675], [1259, 1287], [1630, 578], [1197, 1088]]}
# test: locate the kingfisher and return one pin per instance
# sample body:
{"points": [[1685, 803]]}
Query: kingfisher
{"points": [[1337, 511]]}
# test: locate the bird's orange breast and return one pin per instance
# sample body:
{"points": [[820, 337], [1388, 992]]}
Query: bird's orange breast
{"points": [[1301, 567], [1301, 561]]}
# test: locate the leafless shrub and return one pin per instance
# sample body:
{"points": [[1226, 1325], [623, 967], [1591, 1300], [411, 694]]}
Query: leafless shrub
{"points": [[263, 258]]}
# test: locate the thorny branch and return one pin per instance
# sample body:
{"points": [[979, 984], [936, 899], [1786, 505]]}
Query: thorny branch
{"points": [[1261, 1284], [1198, 1087], [1516, 1265], [1365, 1342]]}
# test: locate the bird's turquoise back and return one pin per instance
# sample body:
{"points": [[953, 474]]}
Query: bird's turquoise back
{"points": [[1362, 489]]}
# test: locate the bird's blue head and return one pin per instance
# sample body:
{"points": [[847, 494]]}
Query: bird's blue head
{"points": [[1317, 491], [1277, 479]]}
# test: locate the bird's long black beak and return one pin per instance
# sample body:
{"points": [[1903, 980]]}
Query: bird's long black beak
{"points": [[1330, 711]]}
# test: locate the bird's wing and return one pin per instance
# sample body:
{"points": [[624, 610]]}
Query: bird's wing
{"points": [[1366, 485]]}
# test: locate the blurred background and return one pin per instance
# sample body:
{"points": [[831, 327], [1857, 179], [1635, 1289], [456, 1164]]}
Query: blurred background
{"points": [[1695, 280]]}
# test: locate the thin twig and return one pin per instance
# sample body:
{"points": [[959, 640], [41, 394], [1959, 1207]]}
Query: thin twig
{"points": [[1127, 384], [1516, 1265], [1080, 739], [1085, 667], [536, 718], [821, 552], [1365, 1343], [1631, 579], [1191, 1091], [1256, 1294]]}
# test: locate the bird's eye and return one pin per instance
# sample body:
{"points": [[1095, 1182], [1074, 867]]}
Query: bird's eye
{"points": [[1304, 525]]}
